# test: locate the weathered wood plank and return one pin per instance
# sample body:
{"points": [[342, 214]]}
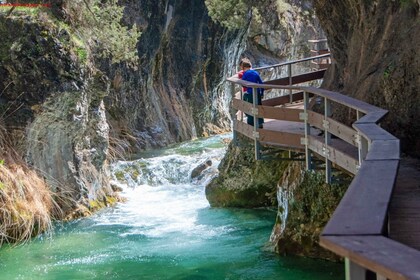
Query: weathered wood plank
{"points": [[243, 128], [281, 138], [404, 209], [298, 79], [384, 149], [372, 132], [290, 62], [241, 105], [373, 115], [283, 113], [345, 100], [280, 100], [344, 156], [363, 209], [336, 128], [377, 253], [323, 51]]}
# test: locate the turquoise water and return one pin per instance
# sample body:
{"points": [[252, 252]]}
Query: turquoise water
{"points": [[166, 230]]}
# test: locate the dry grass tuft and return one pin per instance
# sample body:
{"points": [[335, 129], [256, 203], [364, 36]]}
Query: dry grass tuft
{"points": [[26, 203]]}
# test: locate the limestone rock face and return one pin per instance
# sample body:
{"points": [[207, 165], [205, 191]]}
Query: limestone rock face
{"points": [[52, 107], [280, 30], [376, 59], [177, 92], [277, 32]]}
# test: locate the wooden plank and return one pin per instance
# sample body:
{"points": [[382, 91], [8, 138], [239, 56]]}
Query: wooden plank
{"points": [[384, 149], [404, 209], [363, 209], [283, 99], [290, 62], [373, 113], [243, 106], [372, 132], [384, 256], [348, 101], [318, 52], [285, 114], [337, 153], [298, 79], [243, 128], [372, 116], [281, 138], [336, 128], [317, 40]]}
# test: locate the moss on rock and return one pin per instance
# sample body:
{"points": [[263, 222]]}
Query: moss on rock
{"points": [[243, 181], [306, 208]]}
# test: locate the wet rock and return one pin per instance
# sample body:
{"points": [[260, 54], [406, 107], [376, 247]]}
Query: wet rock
{"points": [[196, 172]]}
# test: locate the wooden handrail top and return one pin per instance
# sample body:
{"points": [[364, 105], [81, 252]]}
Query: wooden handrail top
{"points": [[375, 113], [294, 61], [317, 40], [390, 259]]}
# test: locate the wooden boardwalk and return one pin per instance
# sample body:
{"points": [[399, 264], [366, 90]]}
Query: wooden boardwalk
{"points": [[404, 212], [376, 226]]}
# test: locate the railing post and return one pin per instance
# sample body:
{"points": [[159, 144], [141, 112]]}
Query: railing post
{"points": [[256, 134], [354, 271], [307, 131], [289, 71], [326, 125], [362, 142], [233, 114], [242, 98]]}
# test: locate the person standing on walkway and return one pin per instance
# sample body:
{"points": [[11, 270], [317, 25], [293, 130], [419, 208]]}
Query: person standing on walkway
{"points": [[252, 76]]}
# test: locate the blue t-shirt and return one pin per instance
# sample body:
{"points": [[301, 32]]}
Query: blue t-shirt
{"points": [[252, 76]]}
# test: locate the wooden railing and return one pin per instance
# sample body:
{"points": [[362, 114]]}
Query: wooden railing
{"points": [[357, 230]]}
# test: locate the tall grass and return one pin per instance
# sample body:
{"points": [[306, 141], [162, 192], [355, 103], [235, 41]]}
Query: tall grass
{"points": [[26, 203]]}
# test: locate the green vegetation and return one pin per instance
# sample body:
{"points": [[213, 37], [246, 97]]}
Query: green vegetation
{"points": [[99, 24], [231, 14], [310, 207]]}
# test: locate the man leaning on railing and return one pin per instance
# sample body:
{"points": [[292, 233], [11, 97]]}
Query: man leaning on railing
{"points": [[251, 75]]}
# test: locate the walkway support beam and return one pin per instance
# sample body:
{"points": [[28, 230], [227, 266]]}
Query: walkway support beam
{"points": [[289, 71], [362, 142], [327, 135], [256, 123], [234, 114], [307, 126]]}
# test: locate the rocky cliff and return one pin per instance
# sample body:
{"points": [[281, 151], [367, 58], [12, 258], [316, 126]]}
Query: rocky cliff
{"points": [[177, 92], [375, 49], [52, 108]]}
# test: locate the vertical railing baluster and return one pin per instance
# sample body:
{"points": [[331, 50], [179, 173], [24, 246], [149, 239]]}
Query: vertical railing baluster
{"points": [[256, 134], [327, 134], [242, 98], [307, 130], [361, 142], [354, 271], [234, 115], [289, 71]]}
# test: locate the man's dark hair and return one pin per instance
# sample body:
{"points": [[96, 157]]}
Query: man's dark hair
{"points": [[245, 62]]}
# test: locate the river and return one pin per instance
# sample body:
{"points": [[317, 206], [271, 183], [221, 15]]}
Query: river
{"points": [[165, 230]]}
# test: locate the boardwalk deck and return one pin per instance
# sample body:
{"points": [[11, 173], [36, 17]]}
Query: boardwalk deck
{"points": [[376, 226], [404, 212]]}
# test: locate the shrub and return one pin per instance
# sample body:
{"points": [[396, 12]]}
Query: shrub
{"points": [[99, 23]]}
